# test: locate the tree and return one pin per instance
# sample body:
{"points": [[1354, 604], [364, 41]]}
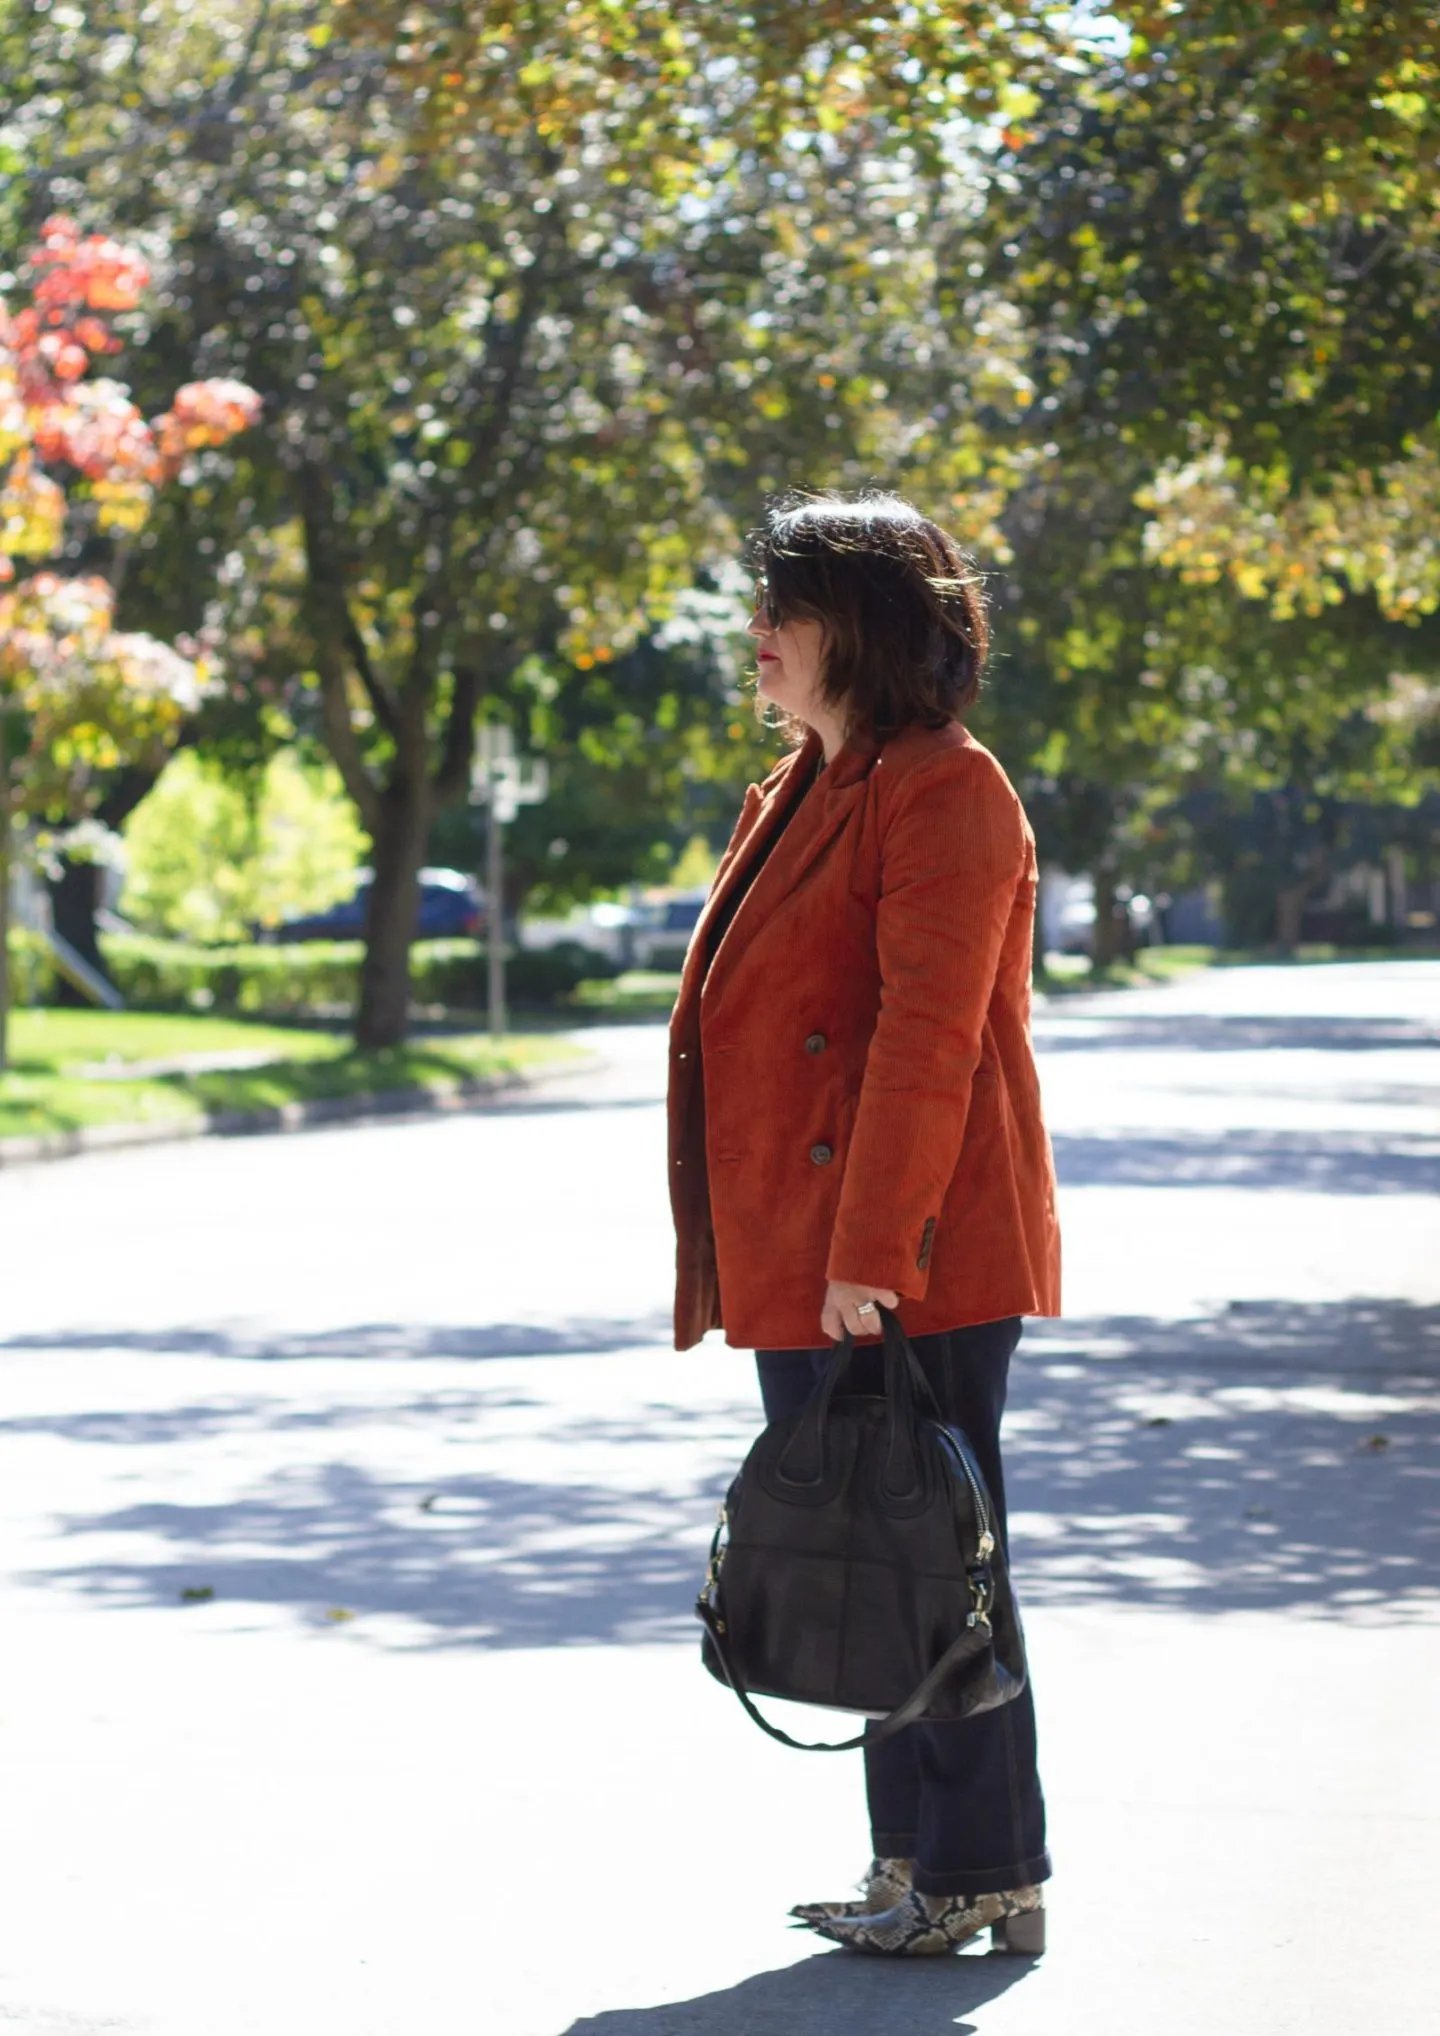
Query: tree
{"points": [[1318, 111], [539, 300], [1225, 241], [643, 753], [77, 695], [1121, 693], [1229, 330]]}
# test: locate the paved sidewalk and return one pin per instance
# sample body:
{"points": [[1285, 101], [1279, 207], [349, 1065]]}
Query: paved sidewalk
{"points": [[351, 1504]]}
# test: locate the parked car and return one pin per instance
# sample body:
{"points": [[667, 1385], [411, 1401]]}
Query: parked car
{"points": [[606, 929], [661, 939], [1067, 906], [451, 907], [652, 934]]}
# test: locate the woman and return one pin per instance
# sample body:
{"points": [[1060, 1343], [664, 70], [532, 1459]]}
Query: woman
{"points": [[854, 1111]]}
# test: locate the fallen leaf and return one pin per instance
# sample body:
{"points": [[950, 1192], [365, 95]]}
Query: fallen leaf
{"points": [[196, 1594], [337, 1614], [1375, 1443]]}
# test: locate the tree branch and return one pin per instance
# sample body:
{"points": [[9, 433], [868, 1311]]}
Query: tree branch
{"points": [[457, 745], [499, 370], [340, 736], [327, 614], [377, 692]]}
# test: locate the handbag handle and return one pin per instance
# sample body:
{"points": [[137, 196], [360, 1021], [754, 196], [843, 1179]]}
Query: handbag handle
{"points": [[881, 1729], [904, 1380]]}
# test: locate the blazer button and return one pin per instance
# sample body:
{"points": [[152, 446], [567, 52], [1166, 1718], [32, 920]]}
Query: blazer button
{"points": [[821, 1154], [816, 1043]]}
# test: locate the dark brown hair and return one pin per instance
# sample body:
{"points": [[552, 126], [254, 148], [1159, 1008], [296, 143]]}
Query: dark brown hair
{"points": [[901, 604]]}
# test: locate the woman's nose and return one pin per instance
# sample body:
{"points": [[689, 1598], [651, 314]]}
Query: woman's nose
{"points": [[757, 625]]}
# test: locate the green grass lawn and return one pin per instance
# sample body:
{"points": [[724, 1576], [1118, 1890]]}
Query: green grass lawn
{"points": [[1066, 973], [71, 1069], [639, 993]]}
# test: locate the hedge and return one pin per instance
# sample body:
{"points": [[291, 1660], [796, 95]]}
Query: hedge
{"points": [[306, 979]]}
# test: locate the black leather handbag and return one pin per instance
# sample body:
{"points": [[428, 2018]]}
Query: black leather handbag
{"points": [[856, 1565]]}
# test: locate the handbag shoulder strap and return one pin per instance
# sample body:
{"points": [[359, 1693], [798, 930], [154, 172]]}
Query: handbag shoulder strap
{"points": [[881, 1729]]}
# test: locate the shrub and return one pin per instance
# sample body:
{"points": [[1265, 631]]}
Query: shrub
{"points": [[205, 861], [549, 975], [32, 968], [321, 978], [309, 979]]}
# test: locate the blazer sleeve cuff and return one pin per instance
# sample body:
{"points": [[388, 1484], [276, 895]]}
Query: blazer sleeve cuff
{"points": [[901, 1264]]}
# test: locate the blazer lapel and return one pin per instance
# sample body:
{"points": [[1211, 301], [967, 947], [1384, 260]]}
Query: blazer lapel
{"points": [[766, 803], [822, 816], [759, 817]]}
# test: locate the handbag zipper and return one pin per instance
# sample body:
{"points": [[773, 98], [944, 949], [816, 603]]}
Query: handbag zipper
{"points": [[982, 1583], [977, 1489]]}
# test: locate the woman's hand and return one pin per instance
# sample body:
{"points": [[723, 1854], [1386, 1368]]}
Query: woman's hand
{"points": [[842, 1308]]}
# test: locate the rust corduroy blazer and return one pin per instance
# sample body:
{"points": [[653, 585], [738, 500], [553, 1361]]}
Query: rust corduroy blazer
{"points": [[852, 1090]]}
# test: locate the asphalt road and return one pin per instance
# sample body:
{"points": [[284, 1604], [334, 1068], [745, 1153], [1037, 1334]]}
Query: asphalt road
{"points": [[351, 1507]]}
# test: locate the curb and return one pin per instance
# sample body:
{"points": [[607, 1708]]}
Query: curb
{"points": [[297, 1116]]}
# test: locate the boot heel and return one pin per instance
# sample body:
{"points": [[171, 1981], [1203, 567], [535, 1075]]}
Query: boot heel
{"points": [[1022, 1936]]}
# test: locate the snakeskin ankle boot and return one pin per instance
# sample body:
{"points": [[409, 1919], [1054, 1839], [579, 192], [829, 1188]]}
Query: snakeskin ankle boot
{"points": [[886, 1882], [929, 1926]]}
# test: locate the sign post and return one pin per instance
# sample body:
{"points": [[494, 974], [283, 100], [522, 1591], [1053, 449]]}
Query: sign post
{"points": [[502, 782]]}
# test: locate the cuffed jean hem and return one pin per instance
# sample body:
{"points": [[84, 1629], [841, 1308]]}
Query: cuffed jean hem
{"points": [[991, 1880], [893, 1844]]}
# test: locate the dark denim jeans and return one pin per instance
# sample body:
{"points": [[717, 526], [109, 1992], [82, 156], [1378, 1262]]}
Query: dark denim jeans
{"points": [[962, 1800]]}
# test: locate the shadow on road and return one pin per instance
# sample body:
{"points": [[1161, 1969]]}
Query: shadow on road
{"points": [[834, 1994], [1332, 1163], [1272, 1457], [575, 1336]]}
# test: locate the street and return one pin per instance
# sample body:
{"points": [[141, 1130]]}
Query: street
{"points": [[352, 1505]]}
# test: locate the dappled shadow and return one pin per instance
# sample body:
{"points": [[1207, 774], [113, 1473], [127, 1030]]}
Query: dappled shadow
{"points": [[385, 1340], [1362, 1336], [832, 1994], [1329, 1162], [1274, 1456], [505, 1562], [1183, 1031]]}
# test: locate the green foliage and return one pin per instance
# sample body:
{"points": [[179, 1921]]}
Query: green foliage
{"points": [[1320, 111], [540, 977], [309, 979], [518, 393], [209, 858], [32, 975], [1228, 331], [1173, 290], [543, 299], [695, 866]]}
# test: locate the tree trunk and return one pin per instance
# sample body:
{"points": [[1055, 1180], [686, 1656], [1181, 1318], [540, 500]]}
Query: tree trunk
{"points": [[1112, 923], [1289, 908], [391, 914], [74, 899]]}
